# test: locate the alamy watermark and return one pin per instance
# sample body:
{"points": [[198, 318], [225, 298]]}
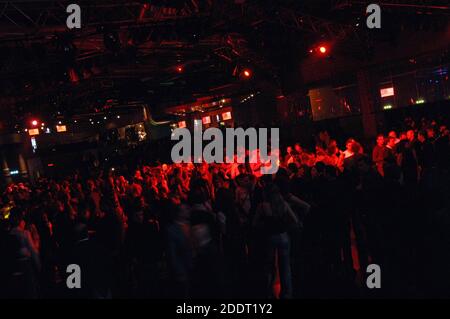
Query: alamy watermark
{"points": [[373, 20], [258, 146], [374, 279], [73, 21], [74, 279]]}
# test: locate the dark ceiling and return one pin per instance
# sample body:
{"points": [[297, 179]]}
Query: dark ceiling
{"points": [[130, 51]]}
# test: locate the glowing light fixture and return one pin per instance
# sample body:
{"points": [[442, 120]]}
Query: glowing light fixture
{"points": [[226, 116], [206, 120], [387, 92], [420, 101], [61, 128], [33, 131]]}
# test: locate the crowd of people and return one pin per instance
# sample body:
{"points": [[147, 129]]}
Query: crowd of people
{"points": [[223, 230]]}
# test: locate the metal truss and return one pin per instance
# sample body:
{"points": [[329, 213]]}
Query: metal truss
{"points": [[28, 18]]}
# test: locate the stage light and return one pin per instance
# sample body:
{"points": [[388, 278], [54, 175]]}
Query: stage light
{"points": [[180, 69], [387, 107], [34, 122], [247, 73], [323, 49], [420, 101]]}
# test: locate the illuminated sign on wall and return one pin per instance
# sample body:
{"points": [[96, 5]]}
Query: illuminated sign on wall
{"points": [[226, 116], [33, 131], [61, 128], [206, 120], [387, 92]]}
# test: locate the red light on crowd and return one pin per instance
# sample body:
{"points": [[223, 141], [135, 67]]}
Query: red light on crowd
{"points": [[323, 49]]}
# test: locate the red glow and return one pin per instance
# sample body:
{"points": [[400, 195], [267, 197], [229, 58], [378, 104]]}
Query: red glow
{"points": [[144, 9], [50, 165], [323, 49], [34, 122], [247, 73], [180, 69], [182, 124], [226, 116], [387, 92], [74, 78], [206, 120]]}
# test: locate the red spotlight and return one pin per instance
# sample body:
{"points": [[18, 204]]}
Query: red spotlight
{"points": [[34, 122], [180, 69], [323, 49], [247, 73]]}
